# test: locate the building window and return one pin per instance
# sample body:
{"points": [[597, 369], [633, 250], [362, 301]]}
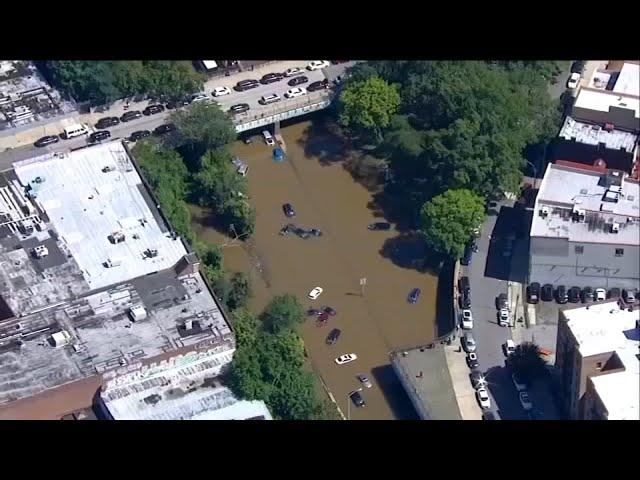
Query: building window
{"points": [[619, 252], [579, 249], [599, 365]]}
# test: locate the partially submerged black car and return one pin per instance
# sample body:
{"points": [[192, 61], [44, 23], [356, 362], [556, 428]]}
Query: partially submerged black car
{"points": [[379, 226]]}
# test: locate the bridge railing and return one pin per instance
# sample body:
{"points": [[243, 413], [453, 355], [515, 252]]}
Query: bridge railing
{"points": [[283, 106]]}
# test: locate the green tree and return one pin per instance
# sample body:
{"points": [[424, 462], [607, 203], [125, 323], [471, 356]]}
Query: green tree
{"points": [[527, 361], [171, 79], [282, 314], [202, 126], [240, 291], [84, 80], [368, 106], [449, 220]]}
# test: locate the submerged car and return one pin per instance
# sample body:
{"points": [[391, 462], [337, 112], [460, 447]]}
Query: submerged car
{"points": [[414, 295], [364, 380], [346, 358], [357, 398], [315, 293], [379, 226], [333, 336]]}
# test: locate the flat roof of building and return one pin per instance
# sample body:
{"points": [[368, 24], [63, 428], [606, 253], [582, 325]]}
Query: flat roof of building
{"points": [[189, 388], [602, 328], [565, 189], [91, 194], [603, 100], [425, 376], [628, 81], [596, 135]]}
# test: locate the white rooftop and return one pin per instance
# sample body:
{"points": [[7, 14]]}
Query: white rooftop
{"points": [[602, 101], [595, 135], [86, 204], [629, 80], [602, 328]]}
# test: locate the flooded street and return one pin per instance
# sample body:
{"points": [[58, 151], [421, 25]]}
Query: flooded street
{"points": [[325, 196]]}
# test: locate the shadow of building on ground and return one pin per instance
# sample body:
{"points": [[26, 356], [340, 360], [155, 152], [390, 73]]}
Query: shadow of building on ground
{"points": [[394, 393]]}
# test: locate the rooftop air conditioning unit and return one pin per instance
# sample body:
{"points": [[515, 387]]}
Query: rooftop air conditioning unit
{"points": [[615, 227], [544, 211]]}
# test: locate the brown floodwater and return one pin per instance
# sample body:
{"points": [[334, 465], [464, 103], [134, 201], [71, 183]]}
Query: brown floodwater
{"points": [[325, 196]]}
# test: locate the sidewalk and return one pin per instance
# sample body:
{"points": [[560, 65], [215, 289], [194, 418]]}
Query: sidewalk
{"points": [[463, 391]]}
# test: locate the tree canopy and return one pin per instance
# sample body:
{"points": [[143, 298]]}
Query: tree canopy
{"points": [[449, 220], [528, 362], [282, 314]]}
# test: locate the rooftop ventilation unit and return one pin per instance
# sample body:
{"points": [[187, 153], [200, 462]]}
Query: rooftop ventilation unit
{"points": [[137, 313], [40, 251], [544, 211], [60, 339], [615, 227], [117, 237]]}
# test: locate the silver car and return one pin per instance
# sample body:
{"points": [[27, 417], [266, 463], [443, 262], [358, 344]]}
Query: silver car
{"points": [[364, 380], [468, 342]]}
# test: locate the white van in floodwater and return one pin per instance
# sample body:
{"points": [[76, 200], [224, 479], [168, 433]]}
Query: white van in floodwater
{"points": [[241, 167], [75, 131]]}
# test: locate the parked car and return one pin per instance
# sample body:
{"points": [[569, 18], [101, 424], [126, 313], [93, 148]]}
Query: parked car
{"points": [[346, 358], [139, 135], [629, 296], [518, 382], [573, 81], [153, 109], [268, 138], [271, 78], [323, 318], [297, 81], [614, 293], [501, 301], [98, 136], [525, 401], [468, 343], [164, 128], [533, 293], [132, 115], [600, 294], [574, 294], [269, 99], [364, 380], [315, 293], [561, 294], [244, 85], [379, 226], [508, 347], [239, 108], [472, 360], [413, 295], [333, 336], [317, 65], [546, 293], [288, 210], [315, 232], [467, 319], [464, 285], [329, 311], [587, 295], [319, 85], [489, 415], [291, 72], [483, 398], [221, 91], [198, 97], [503, 317], [477, 379], [313, 312], [107, 122], [47, 140], [295, 92], [357, 398], [468, 254], [465, 299], [176, 104]]}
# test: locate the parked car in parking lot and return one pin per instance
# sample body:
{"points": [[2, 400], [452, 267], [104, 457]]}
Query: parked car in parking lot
{"points": [[176, 104], [295, 92], [98, 136], [600, 294], [561, 294], [546, 293], [508, 347], [107, 122], [153, 109], [333, 336], [198, 97], [613, 293], [573, 81], [290, 72], [319, 85], [477, 379], [132, 115], [297, 81], [413, 295], [533, 292], [483, 398], [221, 91], [364, 380], [472, 360], [164, 128], [587, 295], [503, 317], [317, 65], [139, 135], [629, 296], [271, 78], [467, 319], [468, 343], [48, 140], [574, 294], [269, 99], [239, 108], [501, 301], [244, 85], [525, 401]]}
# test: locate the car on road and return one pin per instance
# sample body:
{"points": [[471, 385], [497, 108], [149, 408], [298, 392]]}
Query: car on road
{"points": [[600, 294], [502, 301], [319, 85], [519, 383], [503, 317], [574, 294], [468, 342], [268, 138], [561, 294], [295, 92], [288, 210], [221, 91], [333, 336], [414, 295], [472, 360], [107, 122], [269, 99], [153, 109], [244, 85], [533, 293], [317, 65], [198, 97], [315, 293], [573, 81], [271, 78], [132, 115], [239, 108], [346, 358], [508, 347], [477, 379], [525, 401], [364, 380], [357, 398], [379, 226], [47, 140], [629, 296], [291, 72], [465, 299], [546, 292], [139, 135], [329, 311], [468, 253], [587, 295], [613, 293], [467, 319], [298, 81], [164, 128], [98, 136], [483, 398]]}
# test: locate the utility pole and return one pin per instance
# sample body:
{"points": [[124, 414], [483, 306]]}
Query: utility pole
{"points": [[363, 283]]}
